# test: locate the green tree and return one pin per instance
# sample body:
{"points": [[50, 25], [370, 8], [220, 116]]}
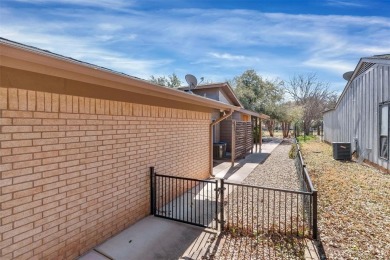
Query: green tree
{"points": [[260, 95], [289, 114], [171, 82]]}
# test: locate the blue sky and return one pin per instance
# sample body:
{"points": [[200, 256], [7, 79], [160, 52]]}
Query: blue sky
{"points": [[215, 39]]}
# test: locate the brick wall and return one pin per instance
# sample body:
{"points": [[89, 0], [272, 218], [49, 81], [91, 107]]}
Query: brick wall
{"points": [[74, 170]]}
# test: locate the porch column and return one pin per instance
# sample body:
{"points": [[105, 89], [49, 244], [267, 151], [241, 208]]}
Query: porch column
{"points": [[256, 126], [260, 134], [251, 135], [233, 146]]}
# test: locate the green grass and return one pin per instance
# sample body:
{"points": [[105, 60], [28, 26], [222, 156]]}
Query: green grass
{"points": [[306, 138]]}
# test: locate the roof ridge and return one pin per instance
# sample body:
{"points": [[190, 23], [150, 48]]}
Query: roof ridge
{"points": [[385, 56]]}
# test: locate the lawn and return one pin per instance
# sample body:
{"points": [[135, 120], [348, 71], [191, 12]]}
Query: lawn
{"points": [[354, 205]]}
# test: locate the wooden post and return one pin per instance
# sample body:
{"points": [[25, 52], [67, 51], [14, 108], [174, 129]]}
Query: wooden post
{"points": [[260, 134], [246, 137], [256, 126]]}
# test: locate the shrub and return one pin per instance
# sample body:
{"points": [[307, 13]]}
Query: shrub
{"points": [[293, 151]]}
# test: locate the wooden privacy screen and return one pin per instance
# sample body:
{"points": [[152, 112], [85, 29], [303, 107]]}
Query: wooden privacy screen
{"points": [[244, 138]]}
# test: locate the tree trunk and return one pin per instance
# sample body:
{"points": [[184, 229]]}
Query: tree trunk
{"points": [[270, 126], [306, 128], [286, 129]]}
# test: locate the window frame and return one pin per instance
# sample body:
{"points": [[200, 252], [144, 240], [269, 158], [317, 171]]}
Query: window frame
{"points": [[381, 105]]}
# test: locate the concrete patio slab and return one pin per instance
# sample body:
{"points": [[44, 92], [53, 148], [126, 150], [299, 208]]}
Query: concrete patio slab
{"points": [[93, 255], [155, 238]]}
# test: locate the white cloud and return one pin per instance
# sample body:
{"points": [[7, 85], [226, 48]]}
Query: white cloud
{"points": [[110, 27], [338, 66], [84, 50], [229, 57], [344, 3], [111, 4], [219, 43]]}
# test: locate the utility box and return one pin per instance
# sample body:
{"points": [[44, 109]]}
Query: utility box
{"points": [[342, 151], [219, 150]]}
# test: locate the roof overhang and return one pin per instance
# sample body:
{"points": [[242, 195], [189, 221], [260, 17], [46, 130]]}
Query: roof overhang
{"points": [[255, 114], [328, 110], [22, 57], [227, 89]]}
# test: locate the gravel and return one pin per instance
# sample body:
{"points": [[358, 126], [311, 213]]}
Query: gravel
{"points": [[278, 171], [262, 223]]}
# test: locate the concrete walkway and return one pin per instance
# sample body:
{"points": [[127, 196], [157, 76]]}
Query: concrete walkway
{"points": [[158, 238], [244, 167]]}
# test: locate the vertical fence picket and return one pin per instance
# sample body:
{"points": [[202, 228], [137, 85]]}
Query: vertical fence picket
{"points": [[183, 199]]}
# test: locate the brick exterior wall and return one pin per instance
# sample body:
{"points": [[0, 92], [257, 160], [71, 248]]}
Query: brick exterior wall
{"points": [[75, 170]]}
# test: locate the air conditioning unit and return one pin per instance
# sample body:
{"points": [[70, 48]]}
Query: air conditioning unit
{"points": [[342, 151]]}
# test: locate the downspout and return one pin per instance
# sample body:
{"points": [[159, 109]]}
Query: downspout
{"points": [[211, 137]]}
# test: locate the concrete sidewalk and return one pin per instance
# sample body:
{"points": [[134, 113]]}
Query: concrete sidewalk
{"points": [[244, 167], [158, 238]]}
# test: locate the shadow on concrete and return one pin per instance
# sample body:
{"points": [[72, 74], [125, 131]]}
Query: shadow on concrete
{"points": [[155, 238], [258, 159]]}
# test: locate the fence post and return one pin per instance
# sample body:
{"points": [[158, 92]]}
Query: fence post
{"points": [[216, 204], [221, 201], [152, 191], [315, 227]]}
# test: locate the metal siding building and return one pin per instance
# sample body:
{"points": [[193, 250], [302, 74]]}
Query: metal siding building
{"points": [[355, 118]]}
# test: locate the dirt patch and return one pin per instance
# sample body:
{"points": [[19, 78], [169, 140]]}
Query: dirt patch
{"points": [[354, 205]]}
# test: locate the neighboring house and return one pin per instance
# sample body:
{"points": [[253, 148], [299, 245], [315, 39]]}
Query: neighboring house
{"points": [[361, 115], [76, 144], [237, 129]]}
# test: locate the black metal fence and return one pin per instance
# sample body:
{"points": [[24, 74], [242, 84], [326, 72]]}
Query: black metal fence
{"points": [[186, 200], [307, 185], [253, 210], [239, 208]]}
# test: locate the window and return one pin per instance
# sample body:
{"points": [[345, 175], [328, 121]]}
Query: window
{"points": [[384, 130]]}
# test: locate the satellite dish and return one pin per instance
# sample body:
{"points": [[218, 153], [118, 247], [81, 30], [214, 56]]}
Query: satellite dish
{"points": [[347, 75], [192, 81]]}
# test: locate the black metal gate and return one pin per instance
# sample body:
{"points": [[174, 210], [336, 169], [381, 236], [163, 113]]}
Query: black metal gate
{"points": [[239, 208], [185, 200]]}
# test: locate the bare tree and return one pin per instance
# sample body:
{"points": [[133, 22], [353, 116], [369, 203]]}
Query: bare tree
{"points": [[312, 95]]}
